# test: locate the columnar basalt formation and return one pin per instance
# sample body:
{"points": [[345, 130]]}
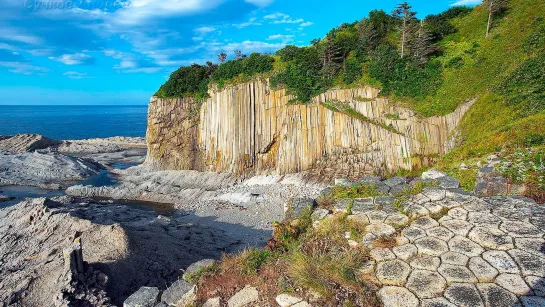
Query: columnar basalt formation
{"points": [[250, 128]]}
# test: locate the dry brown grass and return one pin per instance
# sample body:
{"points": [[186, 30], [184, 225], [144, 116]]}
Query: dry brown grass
{"points": [[385, 241]]}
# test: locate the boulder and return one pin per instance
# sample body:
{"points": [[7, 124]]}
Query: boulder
{"points": [[196, 267], [295, 207], [144, 297], [244, 297], [433, 174], [179, 293]]}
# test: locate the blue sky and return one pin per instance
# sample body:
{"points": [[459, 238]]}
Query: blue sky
{"points": [[121, 51]]}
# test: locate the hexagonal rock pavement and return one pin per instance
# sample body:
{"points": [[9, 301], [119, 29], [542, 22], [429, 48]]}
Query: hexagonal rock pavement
{"points": [[481, 252]]}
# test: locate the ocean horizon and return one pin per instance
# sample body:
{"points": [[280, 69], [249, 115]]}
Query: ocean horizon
{"points": [[70, 122]]}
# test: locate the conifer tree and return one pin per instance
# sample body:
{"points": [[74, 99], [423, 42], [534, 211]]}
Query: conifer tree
{"points": [[222, 57], [406, 15], [421, 44]]}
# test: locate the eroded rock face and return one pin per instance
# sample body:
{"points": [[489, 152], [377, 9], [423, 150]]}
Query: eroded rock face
{"points": [[274, 136]]}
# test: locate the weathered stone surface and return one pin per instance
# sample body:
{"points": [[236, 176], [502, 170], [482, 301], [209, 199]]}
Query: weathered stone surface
{"points": [[196, 267], [344, 182], [376, 216], [431, 246], [426, 263], [413, 233], [359, 217], [396, 220], [464, 246], [531, 245], [382, 254], [343, 205], [537, 284], [320, 214], [405, 252], [415, 210], [368, 240], [212, 302], [440, 233], [484, 218], [520, 229], [458, 213], [362, 205], [448, 182], [426, 284], [144, 297], [458, 227], [367, 268], [454, 258], [492, 238], [437, 302], [434, 193], [464, 295], [497, 296], [383, 202], [370, 180], [302, 304], [514, 283], [482, 269], [533, 301], [456, 273], [529, 263], [391, 182], [391, 296], [294, 208], [179, 293], [380, 229], [244, 297], [399, 189], [501, 261], [393, 272], [433, 174], [286, 300], [425, 222]]}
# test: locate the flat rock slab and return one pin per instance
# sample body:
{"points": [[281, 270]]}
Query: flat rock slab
{"points": [[391, 296], [244, 297], [464, 295], [426, 284], [393, 272], [144, 297]]}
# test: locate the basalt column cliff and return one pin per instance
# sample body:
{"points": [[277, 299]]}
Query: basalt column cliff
{"points": [[251, 129]]}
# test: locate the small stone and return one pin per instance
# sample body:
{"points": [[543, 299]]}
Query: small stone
{"points": [[180, 293], [320, 214], [393, 272], [497, 296], [380, 229], [244, 297], [520, 229], [426, 284], [382, 254], [368, 239], [532, 245], [440, 233], [295, 207], [397, 297], [530, 264], [484, 219], [405, 252], [456, 273], [417, 210], [458, 213], [212, 302], [491, 238], [376, 216], [384, 202], [196, 267], [448, 182], [367, 268], [370, 180], [343, 182], [397, 220], [465, 246], [394, 181], [401, 240], [437, 302], [434, 193], [433, 174], [458, 227], [482, 269], [362, 205], [286, 300], [399, 189], [359, 217], [413, 233], [426, 263], [514, 283], [464, 295], [533, 301], [431, 246], [144, 297], [425, 222], [343, 205], [454, 258], [501, 261], [537, 284], [302, 304]]}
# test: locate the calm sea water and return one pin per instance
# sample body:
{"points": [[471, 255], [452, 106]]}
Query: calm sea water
{"points": [[74, 122]]}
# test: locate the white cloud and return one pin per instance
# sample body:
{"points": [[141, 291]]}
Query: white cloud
{"points": [[73, 59], [246, 47], [260, 2], [281, 37], [15, 35], [23, 68], [75, 75], [280, 18], [306, 24], [467, 2], [205, 30], [277, 16], [251, 22]]}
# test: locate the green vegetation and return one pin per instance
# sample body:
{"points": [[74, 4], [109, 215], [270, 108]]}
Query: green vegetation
{"points": [[188, 81], [243, 68], [356, 191], [526, 166]]}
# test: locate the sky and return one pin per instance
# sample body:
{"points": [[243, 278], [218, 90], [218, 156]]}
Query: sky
{"points": [[110, 52]]}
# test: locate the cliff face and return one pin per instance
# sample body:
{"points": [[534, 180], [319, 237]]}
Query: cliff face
{"points": [[250, 129]]}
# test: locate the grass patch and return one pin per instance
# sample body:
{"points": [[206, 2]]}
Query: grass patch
{"points": [[356, 191]]}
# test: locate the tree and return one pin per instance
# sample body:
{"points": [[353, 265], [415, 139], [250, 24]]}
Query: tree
{"points": [[222, 57], [404, 13], [373, 31], [239, 55], [421, 45], [494, 7]]}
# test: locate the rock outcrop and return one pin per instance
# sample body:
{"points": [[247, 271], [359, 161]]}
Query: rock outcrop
{"points": [[250, 128]]}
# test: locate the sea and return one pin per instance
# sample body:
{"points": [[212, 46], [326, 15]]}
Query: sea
{"points": [[74, 122]]}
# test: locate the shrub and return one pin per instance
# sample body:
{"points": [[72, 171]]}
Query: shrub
{"points": [[188, 81], [439, 26], [254, 64], [535, 41]]}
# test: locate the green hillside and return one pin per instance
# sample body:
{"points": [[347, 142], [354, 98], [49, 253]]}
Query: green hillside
{"points": [[445, 60]]}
